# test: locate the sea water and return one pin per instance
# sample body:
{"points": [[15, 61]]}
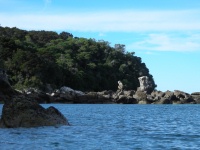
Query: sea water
{"points": [[112, 127]]}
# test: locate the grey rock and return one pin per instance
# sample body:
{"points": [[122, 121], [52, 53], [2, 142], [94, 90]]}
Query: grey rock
{"points": [[129, 93], [145, 84], [143, 102], [164, 101], [140, 96], [185, 98], [120, 86]]}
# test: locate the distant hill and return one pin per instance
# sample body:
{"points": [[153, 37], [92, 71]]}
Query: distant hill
{"points": [[41, 58]]}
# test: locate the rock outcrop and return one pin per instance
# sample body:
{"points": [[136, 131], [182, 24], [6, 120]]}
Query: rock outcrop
{"points": [[22, 110], [196, 97], [145, 84], [120, 97], [143, 95]]}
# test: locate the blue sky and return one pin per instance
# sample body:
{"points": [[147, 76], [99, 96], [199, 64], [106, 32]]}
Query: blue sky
{"points": [[164, 33]]}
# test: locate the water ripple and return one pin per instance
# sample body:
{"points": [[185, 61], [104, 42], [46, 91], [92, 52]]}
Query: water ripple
{"points": [[120, 127]]}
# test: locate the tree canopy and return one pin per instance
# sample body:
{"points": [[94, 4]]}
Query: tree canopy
{"points": [[38, 58]]}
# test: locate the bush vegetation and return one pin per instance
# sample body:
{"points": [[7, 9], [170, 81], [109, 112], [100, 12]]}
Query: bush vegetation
{"points": [[38, 58]]}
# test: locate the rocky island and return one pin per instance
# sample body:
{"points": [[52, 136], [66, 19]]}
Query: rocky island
{"points": [[47, 66]]}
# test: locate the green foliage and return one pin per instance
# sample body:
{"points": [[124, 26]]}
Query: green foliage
{"points": [[37, 58]]}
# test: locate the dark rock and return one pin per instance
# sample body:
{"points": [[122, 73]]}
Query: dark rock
{"points": [[185, 98], [169, 95], [197, 100], [126, 100], [196, 97], [164, 101], [195, 93], [157, 95], [22, 111], [180, 94], [40, 97], [93, 98]]}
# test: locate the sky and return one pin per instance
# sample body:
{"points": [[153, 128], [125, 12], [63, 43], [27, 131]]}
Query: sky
{"points": [[164, 33]]}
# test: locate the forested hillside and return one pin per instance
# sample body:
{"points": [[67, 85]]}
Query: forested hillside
{"points": [[38, 58]]}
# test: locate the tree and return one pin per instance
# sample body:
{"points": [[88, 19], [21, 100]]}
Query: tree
{"points": [[37, 58]]}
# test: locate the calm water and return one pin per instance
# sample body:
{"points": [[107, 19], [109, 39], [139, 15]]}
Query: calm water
{"points": [[111, 126]]}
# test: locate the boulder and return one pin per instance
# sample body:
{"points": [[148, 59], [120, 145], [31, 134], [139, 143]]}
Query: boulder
{"points": [[169, 95], [120, 86], [90, 97], [129, 93], [157, 95], [140, 96], [65, 95], [93, 98], [196, 97], [143, 97], [40, 97], [164, 101], [68, 90], [195, 93], [126, 100], [150, 99], [23, 111], [185, 98]]}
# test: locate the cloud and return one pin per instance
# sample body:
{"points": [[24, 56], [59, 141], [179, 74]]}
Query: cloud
{"points": [[168, 42], [110, 21]]}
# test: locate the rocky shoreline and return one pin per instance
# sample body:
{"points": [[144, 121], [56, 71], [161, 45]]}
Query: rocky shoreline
{"points": [[143, 95], [23, 109], [67, 95]]}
